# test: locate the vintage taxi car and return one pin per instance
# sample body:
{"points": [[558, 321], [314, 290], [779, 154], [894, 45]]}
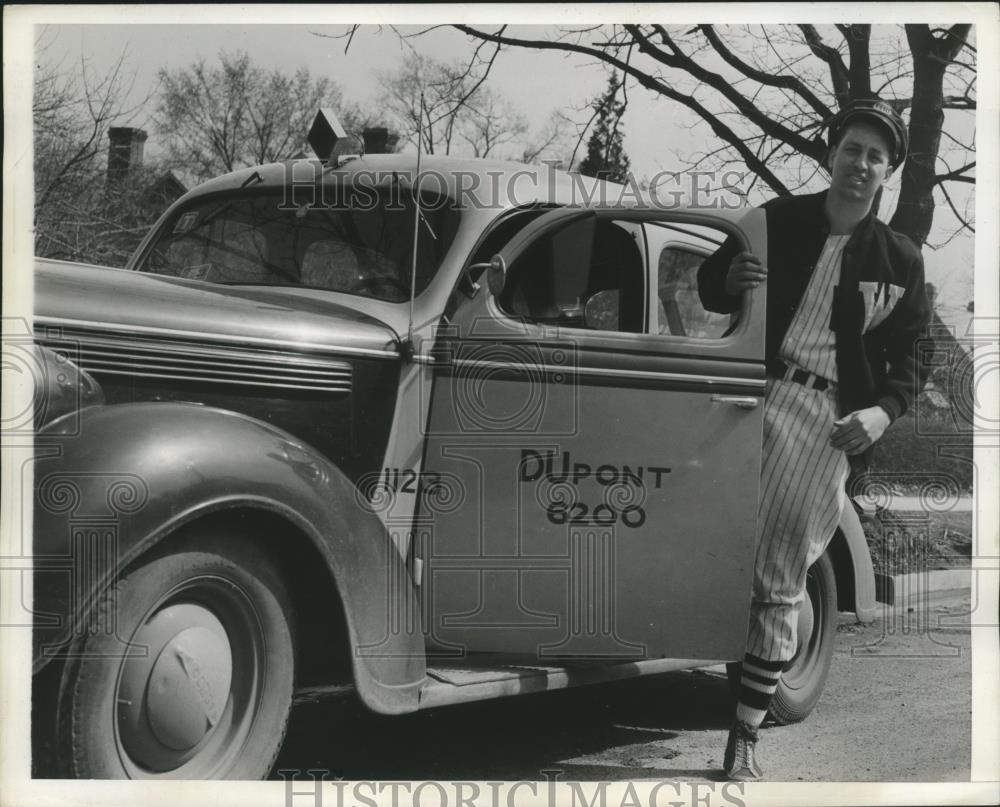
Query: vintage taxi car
{"points": [[314, 439]]}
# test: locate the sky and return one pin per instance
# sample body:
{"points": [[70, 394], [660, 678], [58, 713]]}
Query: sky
{"points": [[657, 132]]}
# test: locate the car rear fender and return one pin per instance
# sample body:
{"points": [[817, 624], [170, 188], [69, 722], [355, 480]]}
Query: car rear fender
{"points": [[852, 563], [133, 474]]}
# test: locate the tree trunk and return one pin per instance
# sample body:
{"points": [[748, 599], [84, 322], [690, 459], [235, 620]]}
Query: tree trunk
{"points": [[915, 210]]}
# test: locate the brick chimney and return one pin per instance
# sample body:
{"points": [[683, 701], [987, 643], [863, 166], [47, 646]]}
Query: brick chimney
{"points": [[124, 152], [379, 140]]}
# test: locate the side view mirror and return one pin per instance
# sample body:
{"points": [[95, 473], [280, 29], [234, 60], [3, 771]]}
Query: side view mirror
{"points": [[601, 311], [496, 274]]}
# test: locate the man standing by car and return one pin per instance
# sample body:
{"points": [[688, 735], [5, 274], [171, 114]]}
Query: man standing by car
{"points": [[845, 304]]}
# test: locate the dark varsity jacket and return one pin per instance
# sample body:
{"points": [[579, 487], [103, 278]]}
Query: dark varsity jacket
{"points": [[880, 306]]}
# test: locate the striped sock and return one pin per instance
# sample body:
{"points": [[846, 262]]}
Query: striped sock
{"points": [[758, 681]]}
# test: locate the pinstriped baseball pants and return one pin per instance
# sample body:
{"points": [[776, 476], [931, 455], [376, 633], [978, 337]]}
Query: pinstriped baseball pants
{"points": [[801, 496]]}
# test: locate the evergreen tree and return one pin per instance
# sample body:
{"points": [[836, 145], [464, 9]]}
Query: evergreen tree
{"points": [[606, 157]]}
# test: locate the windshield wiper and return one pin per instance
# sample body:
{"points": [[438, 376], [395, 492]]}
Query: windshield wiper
{"points": [[423, 218]]}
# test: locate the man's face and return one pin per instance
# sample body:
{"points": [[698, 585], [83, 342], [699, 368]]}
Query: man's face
{"points": [[859, 163]]}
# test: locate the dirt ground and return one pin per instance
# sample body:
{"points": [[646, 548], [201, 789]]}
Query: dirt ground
{"points": [[896, 708]]}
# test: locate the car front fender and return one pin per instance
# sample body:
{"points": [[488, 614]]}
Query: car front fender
{"points": [[132, 474]]}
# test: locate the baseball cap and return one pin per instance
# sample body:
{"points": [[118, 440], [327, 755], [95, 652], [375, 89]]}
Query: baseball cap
{"points": [[876, 111]]}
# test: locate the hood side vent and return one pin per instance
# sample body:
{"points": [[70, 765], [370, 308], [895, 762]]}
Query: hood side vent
{"points": [[178, 360]]}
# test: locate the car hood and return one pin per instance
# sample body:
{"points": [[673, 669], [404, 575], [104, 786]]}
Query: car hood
{"points": [[82, 295]]}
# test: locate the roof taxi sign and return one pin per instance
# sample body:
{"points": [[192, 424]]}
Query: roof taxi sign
{"points": [[324, 135]]}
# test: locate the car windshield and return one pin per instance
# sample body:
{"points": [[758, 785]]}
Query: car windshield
{"points": [[365, 248]]}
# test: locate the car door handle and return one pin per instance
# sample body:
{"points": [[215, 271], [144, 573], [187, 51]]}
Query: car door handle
{"points": [[740, 401]]}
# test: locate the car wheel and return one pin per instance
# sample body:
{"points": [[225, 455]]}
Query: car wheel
{"points": [[187, 672], [804, 677], [802, 681]]}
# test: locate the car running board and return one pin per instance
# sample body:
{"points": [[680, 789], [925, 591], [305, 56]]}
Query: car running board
{"points": [[448, 684], [455, 683]]}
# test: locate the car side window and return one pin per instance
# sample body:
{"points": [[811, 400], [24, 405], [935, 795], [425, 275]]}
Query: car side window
{"points": [[678, 308], [589, 274]]}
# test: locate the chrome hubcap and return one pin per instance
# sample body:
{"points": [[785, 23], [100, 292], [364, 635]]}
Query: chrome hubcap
{"points": [[171, 699]]}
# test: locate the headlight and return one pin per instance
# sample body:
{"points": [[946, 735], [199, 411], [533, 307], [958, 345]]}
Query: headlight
{"points": [[61, 387]]}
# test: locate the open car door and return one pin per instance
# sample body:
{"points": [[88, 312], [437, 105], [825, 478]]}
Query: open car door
{"points": [[605, 433]]}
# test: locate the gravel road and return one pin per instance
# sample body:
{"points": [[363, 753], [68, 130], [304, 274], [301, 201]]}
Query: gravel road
{"points": [[896, 708]]}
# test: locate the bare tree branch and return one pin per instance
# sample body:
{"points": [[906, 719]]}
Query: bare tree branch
{"points": [[350, 39], [838, 70], [957, 102], [957, 175], [745, 106], [956, 32], [954, 40], [959, 143], [60, 152], [218, 118], [961, 219], [785, 81], [648, 81], [859, 72], [583, 133]]}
